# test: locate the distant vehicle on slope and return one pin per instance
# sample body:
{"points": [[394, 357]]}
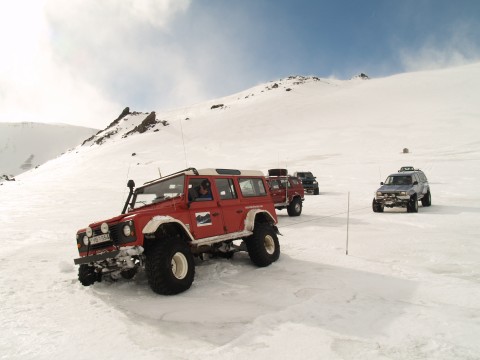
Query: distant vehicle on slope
{"points": [[403, 189], [174, 218], [287, 191], [309, 182]]}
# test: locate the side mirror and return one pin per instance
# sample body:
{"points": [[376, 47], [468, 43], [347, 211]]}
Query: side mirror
{"points": [[131, 184], [381, 183]]}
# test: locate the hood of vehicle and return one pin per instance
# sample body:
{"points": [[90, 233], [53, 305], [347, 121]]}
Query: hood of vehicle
{"points": [[394, 188], [116, 219]]}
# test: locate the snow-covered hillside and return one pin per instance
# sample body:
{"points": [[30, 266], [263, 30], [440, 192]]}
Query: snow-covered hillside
{"points": [[24, 146], [408, 288]]}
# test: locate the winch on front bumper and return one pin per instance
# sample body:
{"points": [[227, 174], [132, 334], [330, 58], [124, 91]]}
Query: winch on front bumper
{"points": [[120, 260]]}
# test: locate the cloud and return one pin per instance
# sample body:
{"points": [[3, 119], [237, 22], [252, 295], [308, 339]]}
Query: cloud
{"points": [[460, 48], [71, 61]]}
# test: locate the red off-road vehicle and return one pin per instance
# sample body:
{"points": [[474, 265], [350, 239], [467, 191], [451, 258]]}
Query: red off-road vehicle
{"points": [[167, 222], [287, 191]]}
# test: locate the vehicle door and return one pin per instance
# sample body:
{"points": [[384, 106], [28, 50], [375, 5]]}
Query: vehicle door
{"points": [[230, 205], [206, 218], [418, 187], [278, 193], [424, 182]]}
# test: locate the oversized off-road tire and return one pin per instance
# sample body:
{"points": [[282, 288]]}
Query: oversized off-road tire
{"points": [[295, 207], [87, 275], [412, 205], [169, 266], [376, 207], [316, 191], [427, 199], [263, 246]]}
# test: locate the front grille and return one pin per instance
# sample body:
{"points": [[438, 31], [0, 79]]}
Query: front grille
{"points": [[114, 236]]}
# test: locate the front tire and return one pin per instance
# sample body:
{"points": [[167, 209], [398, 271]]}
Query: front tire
{"points": [[169, 266], [87, 275], [263, 246], [376, 207], [295, 207], [412, 205]]}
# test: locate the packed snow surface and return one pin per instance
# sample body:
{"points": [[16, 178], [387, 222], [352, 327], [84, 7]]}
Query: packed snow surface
{"points": [[408, 288]]}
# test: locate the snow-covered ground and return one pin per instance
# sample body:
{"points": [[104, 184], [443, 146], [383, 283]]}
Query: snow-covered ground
{"points": [[408, 288]]}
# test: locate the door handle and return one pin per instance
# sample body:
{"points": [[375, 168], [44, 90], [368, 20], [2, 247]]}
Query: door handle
{"points": [[239, 211], [215, 214]]}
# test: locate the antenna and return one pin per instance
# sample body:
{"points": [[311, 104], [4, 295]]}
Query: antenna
{"points": [[183, 141]]}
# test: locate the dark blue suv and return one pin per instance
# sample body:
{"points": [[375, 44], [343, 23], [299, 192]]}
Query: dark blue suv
{"points": [[309, 182]]}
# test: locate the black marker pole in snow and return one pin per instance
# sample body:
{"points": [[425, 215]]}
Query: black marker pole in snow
{"points": [[348, 219]]}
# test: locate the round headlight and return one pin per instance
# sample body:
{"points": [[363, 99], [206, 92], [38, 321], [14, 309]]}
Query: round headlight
{"points": [[89, 231], [85, 240], [379, 193], [104, 228], [127, 231]]}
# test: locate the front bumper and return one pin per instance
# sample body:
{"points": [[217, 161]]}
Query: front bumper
{"points": [[392, 200], [121, 258], [95, 258]]}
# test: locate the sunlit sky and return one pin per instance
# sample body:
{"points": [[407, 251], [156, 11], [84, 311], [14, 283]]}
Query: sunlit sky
{"points": [[81, 62]]}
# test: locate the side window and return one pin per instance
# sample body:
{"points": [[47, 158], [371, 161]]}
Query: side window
{"points": [[252, 187], [274, 184], [422, 177], [294, 181], [199, 190], [226, 189], [286, 183]]}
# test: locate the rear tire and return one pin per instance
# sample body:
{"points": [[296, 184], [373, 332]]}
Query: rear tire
{"points": [[295, 207], [427, 199], [169, 266], [263, 246]]}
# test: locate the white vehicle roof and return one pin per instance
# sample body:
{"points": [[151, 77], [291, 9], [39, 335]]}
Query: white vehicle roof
{"points": [[211, 171]]}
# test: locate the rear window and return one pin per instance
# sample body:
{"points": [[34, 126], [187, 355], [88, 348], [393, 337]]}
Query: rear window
{"points": [[252, 187]]}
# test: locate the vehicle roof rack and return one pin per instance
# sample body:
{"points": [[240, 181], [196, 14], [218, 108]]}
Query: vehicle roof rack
{"points": [[408, 168], [175, 173]]}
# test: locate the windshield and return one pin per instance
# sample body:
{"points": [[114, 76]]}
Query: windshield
{"points": [[398, 180], [161, 191]]}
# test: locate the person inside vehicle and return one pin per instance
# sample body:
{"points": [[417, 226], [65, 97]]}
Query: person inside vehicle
{"points": [[204, 191]]}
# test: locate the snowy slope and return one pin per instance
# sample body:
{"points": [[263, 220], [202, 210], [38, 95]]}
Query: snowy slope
{"points": [[23, 146], [408, 289]]}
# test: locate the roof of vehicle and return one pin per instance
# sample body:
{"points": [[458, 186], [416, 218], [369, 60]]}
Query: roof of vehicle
{"points": [[406, 173], [211, 171]]}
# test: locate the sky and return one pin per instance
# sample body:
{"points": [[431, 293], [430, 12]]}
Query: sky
{"points": [[82, 62]]}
